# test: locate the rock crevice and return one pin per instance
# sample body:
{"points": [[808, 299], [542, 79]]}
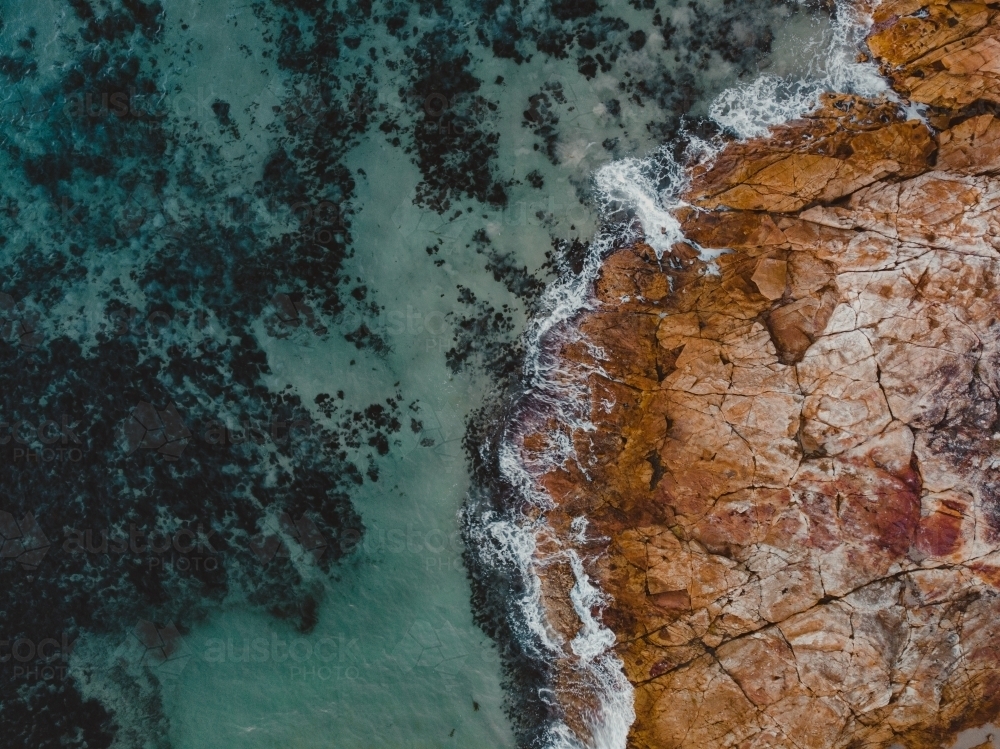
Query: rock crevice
{"points": [[791, 454]]}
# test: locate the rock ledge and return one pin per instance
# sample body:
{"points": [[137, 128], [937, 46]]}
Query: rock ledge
{"points": [[792, 479]]}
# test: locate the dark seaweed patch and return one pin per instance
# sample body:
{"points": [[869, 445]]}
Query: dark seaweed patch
{"points": [[167, 415], [454, 144]]}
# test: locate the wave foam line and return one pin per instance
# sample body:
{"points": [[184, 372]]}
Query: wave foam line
{"points": [[749, 110], [650, 188]]}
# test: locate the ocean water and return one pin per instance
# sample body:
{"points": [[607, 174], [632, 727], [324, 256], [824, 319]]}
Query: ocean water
{"points": [[269, 270]]}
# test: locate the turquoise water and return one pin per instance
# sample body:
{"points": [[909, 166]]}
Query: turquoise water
{"points": [[240, 252]]}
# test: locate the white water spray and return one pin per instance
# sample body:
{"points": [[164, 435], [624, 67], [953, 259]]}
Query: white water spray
{"points": [[750, 109], [651, 188]]}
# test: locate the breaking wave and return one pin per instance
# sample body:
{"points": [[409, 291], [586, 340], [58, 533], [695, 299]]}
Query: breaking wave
{"points": [[506, 540], [750, 109]]}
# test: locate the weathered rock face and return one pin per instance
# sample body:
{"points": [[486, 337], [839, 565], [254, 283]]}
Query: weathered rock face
{"points": [[794, 472], [939, 53]]}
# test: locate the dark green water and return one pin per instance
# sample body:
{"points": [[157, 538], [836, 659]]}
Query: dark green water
{"points": [[261, 261]]}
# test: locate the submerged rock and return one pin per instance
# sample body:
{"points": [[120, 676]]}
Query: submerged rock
{"points": [[789, 474]]}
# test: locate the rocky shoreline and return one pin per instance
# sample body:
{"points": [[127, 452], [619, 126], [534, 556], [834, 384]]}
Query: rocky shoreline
{"points": [[783, 474]]}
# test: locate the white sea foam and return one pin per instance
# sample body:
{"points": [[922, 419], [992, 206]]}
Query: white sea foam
{"points": [[633, 182], [518, 544], [593, 639], [750, 109], [651, 188]]}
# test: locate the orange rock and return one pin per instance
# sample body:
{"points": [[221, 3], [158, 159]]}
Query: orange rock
{"points": [[846, 144], [791, 466], [907, 30], [972, 146], [946, 55]]}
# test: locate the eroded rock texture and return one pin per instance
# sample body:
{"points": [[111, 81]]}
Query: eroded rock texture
{"points": [[793, 479]]}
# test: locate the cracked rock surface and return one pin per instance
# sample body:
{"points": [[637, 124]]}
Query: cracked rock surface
{"points": [[791, 474]]}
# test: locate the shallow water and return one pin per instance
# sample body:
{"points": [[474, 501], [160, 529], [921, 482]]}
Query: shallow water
{"points": [[288, 226]]}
